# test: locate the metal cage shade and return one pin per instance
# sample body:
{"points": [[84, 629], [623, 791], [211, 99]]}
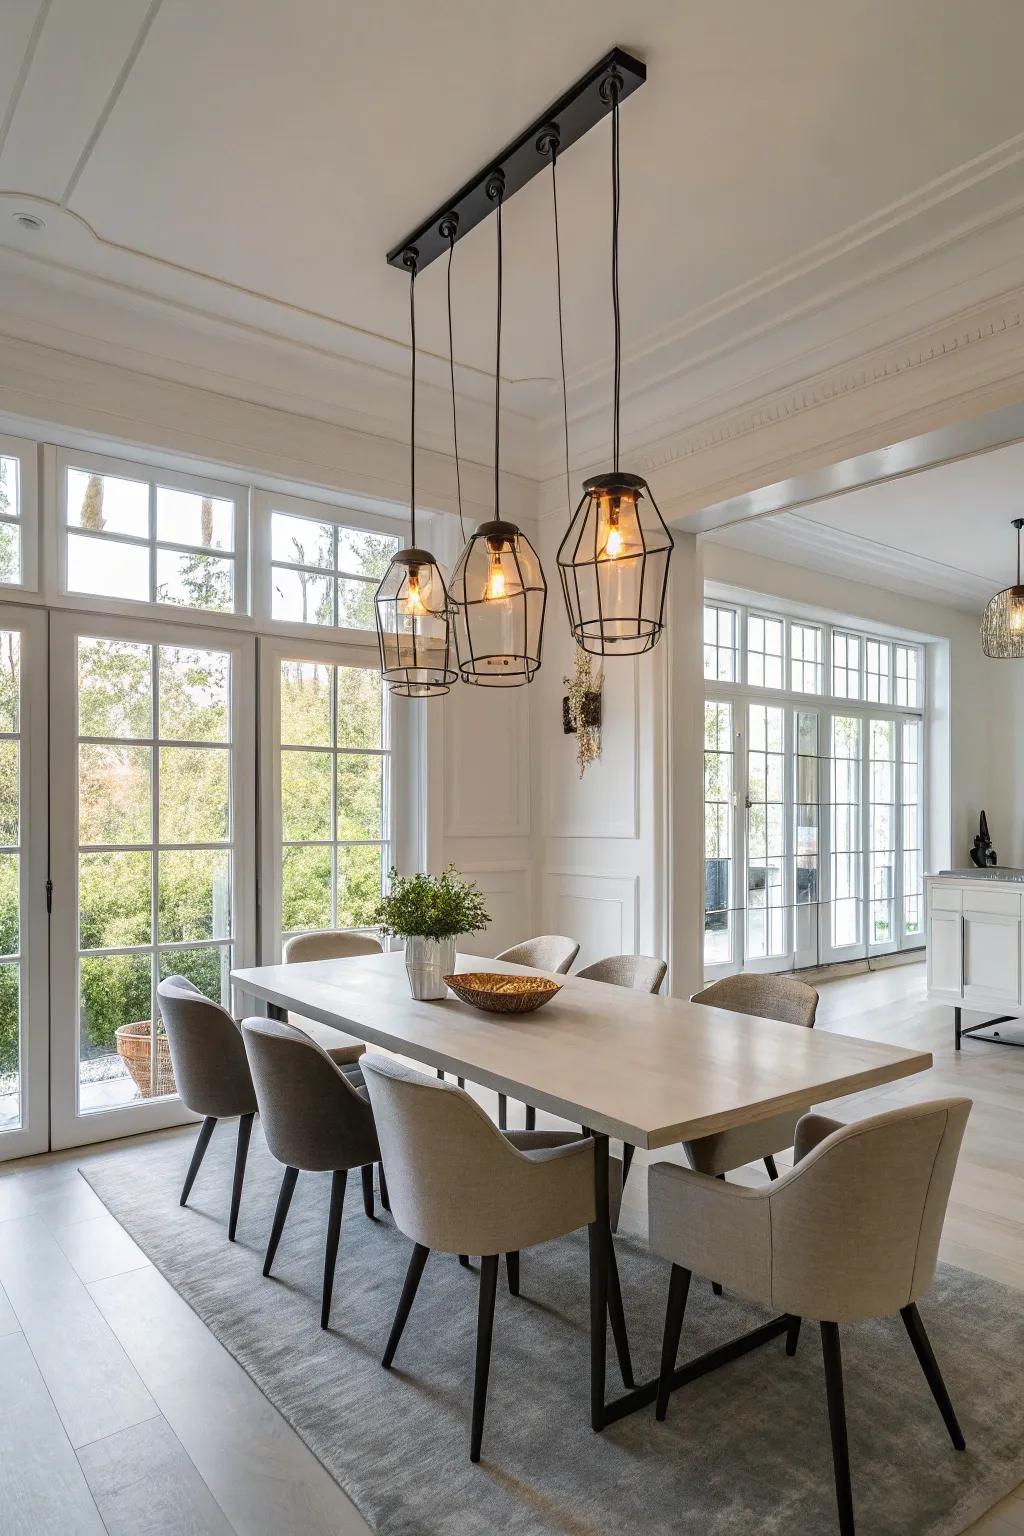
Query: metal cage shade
{"points": [[613, 564], [499, 594], [1002, 627], [413, 626]]}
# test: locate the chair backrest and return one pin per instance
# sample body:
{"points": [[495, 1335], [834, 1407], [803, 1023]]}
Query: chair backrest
{"points": [[334, 944], [210, 1066], [312, 1116], [644, 973], [447, 1164], [855, 1227], [786, 998], [551, 952]]}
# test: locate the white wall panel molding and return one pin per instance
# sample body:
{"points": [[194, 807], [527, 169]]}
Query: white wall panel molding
{"points": [[600, 911], [605, 803], [507, 887], [485, 762]]}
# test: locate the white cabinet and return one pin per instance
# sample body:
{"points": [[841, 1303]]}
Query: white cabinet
{"points": [[945, 956], [974, 942]]}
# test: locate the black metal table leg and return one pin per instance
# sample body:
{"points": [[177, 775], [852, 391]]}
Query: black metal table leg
{"points": [[957, 1022], [275, 1011], [600, 1247]]}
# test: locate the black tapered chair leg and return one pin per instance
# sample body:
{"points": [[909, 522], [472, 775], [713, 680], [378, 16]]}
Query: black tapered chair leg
{"points": [[678, 1290], [440, 1074], [284, 1200], [925, 1354], [367, 1176], [792, 1336], [502, 1112], [832, 1353], [531, 1117], [464, 1260], [512, 1266], [339, 1179], [202, 1142], [461, 1082], [773, 1172], [627, 1161], [385, 1198], [716, 1288], [413, 1275], [618, 1320], [484, 1330], [241, 1153]]}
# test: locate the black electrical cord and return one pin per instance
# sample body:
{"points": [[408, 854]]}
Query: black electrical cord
{"points": [[617, 385], [497, 366], [451, 360], [561, 327], [411, 263]]}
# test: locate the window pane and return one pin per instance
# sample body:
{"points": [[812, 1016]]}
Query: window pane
{"points": [[186, 517], [359, 884], [208, 969], [365, 554], [193, 694], [10, 680], [306, 888], [301, 541], [108, 568], [10, 763], [195, 581], [360, 796], [10, 497], [306, 703], [355, 604], [114, 794], [194, 794], [299, 598], [108, 504], [195, 895], [114, 900], [360, 708], [115, 688], [306, 796], [10, 552], [10, 1047], [115, 990], [10, 937]]}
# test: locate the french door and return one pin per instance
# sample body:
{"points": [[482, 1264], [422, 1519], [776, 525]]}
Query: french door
{"points": [[153, 810]]}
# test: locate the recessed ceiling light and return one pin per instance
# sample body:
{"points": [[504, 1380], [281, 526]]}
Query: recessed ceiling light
{"points": [[29, 221]]}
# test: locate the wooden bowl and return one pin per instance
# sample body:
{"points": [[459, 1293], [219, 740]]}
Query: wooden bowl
{"points": [[495, 993]]}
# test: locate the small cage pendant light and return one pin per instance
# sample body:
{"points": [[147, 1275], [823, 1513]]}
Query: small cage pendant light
{"points": [[497, 585], [614, 559], [412, 605], [1002, 627]]}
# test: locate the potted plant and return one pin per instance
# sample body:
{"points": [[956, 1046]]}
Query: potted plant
{"points": [[429, 912]]}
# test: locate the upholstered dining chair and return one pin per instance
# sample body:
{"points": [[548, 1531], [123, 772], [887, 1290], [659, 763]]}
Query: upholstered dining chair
{"points": [[644, 973], [211, 1073], [789, 1000], [551, 952], [330, 944], [460, 1185], [851, 1232], [317, 1118]]}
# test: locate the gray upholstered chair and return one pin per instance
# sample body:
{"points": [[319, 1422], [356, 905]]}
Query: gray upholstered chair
{"points": [[789, 1000], [644, 973], [317, 1118], [330, 944], [460, 1185], [211, 1073], [551, 952], [850, 1232]]}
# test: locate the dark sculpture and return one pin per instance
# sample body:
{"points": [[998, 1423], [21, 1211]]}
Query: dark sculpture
{"points": [[983, 854]]}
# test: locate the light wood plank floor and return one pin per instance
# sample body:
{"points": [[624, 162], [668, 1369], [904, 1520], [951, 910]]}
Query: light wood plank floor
{"points": [[120, 1413]]}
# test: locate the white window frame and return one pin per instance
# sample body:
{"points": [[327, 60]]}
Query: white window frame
{"points": [[767, 617], [58, 460], [818, 664], [27, 454]]}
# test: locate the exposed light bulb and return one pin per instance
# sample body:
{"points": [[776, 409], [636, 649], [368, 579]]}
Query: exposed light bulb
{"points": [[495, 590], [613, 543], [412, 606]]}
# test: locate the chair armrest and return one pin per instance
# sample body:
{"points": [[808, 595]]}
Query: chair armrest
{"points": [[714, 1229], [810, 1131]]}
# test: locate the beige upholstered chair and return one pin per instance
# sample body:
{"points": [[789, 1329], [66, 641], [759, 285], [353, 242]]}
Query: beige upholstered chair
{"points": [[851, 1232], [211, 1073], [551, 952], [317, 1118], [644, 973], [459, 1185], [331, 944], [789, 1000]]}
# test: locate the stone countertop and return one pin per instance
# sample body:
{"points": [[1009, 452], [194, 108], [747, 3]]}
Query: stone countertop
{"points": [[995, 872]]}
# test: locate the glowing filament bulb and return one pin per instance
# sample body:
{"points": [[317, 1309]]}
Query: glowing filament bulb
{"points": [[614, 542], [495, 579], [412, 606]]}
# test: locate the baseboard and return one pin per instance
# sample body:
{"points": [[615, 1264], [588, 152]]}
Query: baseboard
{"points": [[861, 967]]}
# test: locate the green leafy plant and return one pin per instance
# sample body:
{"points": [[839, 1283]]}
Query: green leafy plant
{"points": [[431, 906]]}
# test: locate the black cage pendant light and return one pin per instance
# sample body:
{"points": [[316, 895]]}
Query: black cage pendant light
{"points": [[498, 589], [614, 559], [1002, 628], [412, 605]]}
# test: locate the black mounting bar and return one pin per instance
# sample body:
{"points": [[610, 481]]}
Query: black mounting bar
{"points": [[565, 121]]}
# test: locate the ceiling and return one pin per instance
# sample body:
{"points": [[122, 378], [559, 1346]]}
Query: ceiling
{"points": [[943, 533], [253, 161]]}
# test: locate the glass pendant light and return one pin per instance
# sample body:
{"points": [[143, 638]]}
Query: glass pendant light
{"points": [[1002, 628], [497, 585], [614, 559], [412, 606]]}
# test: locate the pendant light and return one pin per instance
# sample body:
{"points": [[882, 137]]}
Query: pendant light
{"points": [[497, 585], [614, 559], [1002, 628], [411, 603]]}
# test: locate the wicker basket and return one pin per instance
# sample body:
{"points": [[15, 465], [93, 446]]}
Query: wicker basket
{"points": [[498, 993], [134, 1046]]}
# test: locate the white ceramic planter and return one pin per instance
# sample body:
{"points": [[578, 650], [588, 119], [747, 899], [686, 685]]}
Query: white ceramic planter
{"points": [[427, 963]]}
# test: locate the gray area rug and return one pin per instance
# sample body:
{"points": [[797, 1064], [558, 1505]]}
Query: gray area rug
{"points": [[743, 1450]]}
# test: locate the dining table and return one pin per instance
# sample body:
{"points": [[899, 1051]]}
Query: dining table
{"points": [[646, 1069]]}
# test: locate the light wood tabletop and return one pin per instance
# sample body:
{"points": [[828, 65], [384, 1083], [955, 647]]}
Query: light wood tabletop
{"points": [[650, 1070]]}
